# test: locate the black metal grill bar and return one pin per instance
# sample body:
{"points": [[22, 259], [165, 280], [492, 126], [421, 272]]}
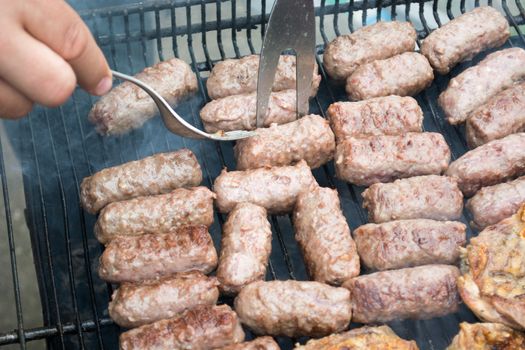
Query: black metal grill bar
{"points": [[218, 25], [49, 332], [49, 259], [87, 259], [63, 203], [12, 252]]}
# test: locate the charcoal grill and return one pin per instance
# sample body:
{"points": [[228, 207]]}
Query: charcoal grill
{"points": [[58, 147]]}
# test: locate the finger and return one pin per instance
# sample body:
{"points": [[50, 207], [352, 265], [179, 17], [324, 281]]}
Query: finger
{"points": [[34, 69], [67, 35], [12, 103]]}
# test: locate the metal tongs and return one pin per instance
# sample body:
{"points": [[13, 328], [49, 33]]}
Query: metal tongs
{"points": [[291, 26]]}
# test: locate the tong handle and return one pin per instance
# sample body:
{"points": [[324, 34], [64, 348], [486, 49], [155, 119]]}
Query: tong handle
{"points": [[291, 26]]}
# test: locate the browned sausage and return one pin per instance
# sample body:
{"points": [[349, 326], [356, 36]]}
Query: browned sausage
{"points": [[502, 115], [134, 259], [275, 188], [136, 304], [408, 243], [324, 236], [492, 204], [261, 343], [245, 247], [367, 160], [238, 112], [156, 214], [474, 86], [418, 292], [421, 197], [464, 37], [405, 75], [389, 115], [293, 308], [375, 42], [239, 76], [489, 164], [309, 138], [160, 173], [127, 106], [202, 328], [363, 338]]}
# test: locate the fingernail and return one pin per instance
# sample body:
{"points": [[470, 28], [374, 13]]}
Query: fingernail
{"points": [[103, 86]]}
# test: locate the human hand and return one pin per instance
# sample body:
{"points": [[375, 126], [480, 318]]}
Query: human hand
{"points": [[45, 50]]}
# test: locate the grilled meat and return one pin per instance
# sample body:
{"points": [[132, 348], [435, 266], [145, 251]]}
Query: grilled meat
{"points": [[309, 138], [245, 247], [367, 160], [418, 293], [135, 259], [490, 164], [421, 197], [464, 37], [128, 107], [389, 115], [293, 308], [408, 243], [275, 188], [476, 85], [136, 304], [324, 236], [406, 74], [381, 40], [239, 76], [156, 214]]}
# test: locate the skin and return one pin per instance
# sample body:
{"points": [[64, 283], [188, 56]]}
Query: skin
{"points": [[46, 52]]}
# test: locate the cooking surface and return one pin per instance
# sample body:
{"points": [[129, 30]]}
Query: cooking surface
{"points": [[58, 148]]}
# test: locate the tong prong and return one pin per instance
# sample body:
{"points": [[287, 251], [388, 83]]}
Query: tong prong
{"points": [[291, 26]]}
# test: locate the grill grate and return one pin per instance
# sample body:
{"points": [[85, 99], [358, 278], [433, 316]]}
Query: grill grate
{"points": [[58, 147]]}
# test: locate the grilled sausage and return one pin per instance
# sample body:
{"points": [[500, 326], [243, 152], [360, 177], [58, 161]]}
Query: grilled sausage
{"points": [[127, 106], [309, 138], [262, 343], [367, 160], [239, 76], [363, 338], [160, 173], [375, 42], [464, 37], [406, 74], [155, 214], [492, 204], [324, 236], [502, 115], [408, 243], [421, 197], [238, 112], [475, 85], [293, 308], [487, 336], [245, 247], [134, 259], [275, 189], [202, 328], [390, 115], [418, 293], [492, 163], [136, 304]]}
